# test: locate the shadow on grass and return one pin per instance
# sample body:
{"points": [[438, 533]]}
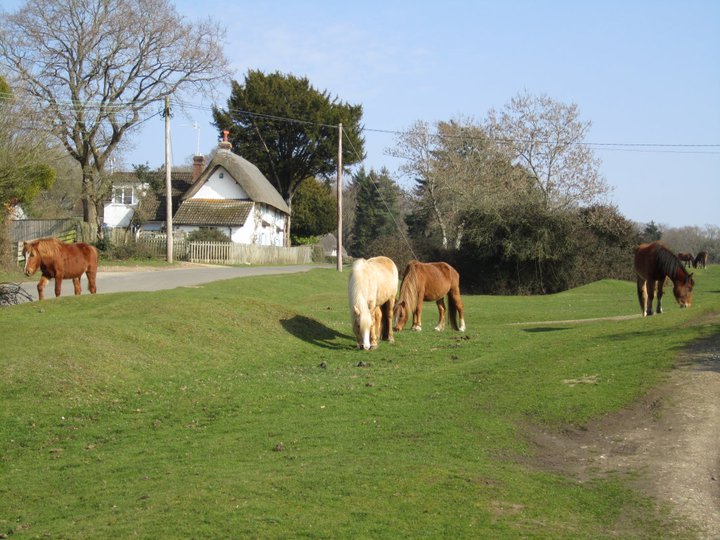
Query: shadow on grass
{"points": [[314, 332], [541, 329]]}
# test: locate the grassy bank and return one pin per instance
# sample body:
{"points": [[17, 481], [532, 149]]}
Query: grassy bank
{"points": [[241, 409]]}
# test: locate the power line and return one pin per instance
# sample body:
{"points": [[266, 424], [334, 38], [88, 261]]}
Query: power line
{"points": [[663, 148]]}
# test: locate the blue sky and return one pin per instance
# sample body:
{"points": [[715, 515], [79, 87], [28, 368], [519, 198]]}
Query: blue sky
{"points": [[643, 72]]}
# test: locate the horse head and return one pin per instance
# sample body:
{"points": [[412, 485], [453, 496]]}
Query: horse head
{"points": [[362, 322], [32, 258], [400, 314], [682, 289]]}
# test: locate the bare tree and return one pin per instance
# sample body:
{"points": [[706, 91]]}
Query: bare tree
{"points": [[417, 147], [547, 138], [456, 167], [96, 66]]}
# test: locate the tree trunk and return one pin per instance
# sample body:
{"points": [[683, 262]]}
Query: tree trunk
{"points": [[91, 202]]}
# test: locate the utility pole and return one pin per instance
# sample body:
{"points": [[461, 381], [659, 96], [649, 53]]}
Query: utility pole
{"points": [[168, 183], [339, 200]]}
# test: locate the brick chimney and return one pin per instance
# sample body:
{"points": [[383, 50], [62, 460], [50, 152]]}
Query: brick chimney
{"points": [[198, 167]]}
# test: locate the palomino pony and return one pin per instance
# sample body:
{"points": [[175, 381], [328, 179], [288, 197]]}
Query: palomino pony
{"points": [[371, 293], [58, 260], [654, 262], [429, 281], [701, 260]]}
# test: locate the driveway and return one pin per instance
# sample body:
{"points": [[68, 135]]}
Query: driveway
{"points": [[144, 279]]}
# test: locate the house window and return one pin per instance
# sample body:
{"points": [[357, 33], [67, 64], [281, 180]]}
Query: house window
{"points": [[123, 195]]}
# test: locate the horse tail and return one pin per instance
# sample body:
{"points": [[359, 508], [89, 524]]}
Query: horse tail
{"points": [[454, 299]]}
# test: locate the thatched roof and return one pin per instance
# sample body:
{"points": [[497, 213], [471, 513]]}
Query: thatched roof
{"points": [[248, 177]]}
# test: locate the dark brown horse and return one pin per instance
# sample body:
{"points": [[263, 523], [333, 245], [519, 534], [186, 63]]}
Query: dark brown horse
{"points": [[700, 260], [58, 260], [653, 263], [686, 258], [429, 281]]}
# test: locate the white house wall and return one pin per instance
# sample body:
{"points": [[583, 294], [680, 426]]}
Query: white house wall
{"points": [[118, 215], [221, 185], [269, 226]]}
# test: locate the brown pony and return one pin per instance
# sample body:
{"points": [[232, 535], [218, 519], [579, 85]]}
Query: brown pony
{"points": [[701, 260], [429, 281], [654, 262], [58, 260], [371, 293], [685, 258]]}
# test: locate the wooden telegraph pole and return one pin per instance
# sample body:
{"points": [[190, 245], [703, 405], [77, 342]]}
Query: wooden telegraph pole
{"points": [[339, 200], [168, 183]]}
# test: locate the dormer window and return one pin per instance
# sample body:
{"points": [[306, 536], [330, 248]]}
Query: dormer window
{"points": [[123, 195]]}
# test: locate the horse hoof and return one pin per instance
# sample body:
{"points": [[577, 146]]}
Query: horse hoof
{"points": [[439, 328], [416, 329]]}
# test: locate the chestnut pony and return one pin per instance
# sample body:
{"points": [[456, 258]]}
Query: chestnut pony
{"points": [[654, 262], [58, 260], [371, 293], [429, 281]]}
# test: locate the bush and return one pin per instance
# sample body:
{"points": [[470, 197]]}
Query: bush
{"points": [[208, 235], [530, 249]]}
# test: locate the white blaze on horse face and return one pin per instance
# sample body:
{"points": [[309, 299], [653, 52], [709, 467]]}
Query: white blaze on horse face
{"points": [[366, 339], [28, 256], [361, 326]]}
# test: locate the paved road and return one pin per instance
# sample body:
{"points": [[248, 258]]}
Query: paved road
{"points": [[155, 280]]}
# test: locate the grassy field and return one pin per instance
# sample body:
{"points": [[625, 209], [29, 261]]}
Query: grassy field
{"points": [[241, 409]]}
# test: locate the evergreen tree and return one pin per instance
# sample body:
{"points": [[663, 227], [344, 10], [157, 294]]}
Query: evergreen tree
{"points": [[314, 210], [376, 212]]}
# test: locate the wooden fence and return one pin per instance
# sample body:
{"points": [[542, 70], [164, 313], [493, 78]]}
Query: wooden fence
{"points": [[229, 252], [23, 230], [32, 229]]}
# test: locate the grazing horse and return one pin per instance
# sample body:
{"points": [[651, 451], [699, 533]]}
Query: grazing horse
{"points": [[700, 260], [654, 262], [685, 258], [371, 293], [429, 281], [58, 260]]}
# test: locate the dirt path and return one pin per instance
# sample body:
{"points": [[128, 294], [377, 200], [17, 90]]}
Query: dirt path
{"points": [[668, 444]]}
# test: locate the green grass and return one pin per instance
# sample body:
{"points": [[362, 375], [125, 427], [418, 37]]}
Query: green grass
{"points": [[159, 415]]}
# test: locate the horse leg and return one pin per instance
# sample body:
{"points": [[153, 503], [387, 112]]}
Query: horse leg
{"points": [[642, 292], [456, 310], [441, 315], [41, 287], [375, 327], [388, 309], [660, 284], [417, 315], [91, 281], [58, 283], [76, 285], [651, 287], [461, 314]]}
